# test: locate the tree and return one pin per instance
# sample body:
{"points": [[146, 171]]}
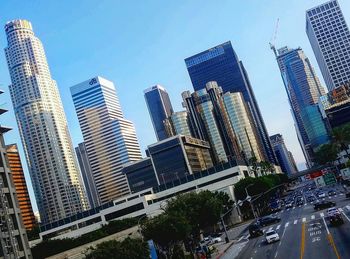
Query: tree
{"points": [[127, 249], [326, 154], [253, 162], [341, 137]]}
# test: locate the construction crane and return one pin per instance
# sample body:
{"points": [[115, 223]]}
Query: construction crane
{"points": [[273, 38]]}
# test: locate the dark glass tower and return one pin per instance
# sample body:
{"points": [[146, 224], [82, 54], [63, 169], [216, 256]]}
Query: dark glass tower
{"points": [[159, 107], [222, 65]]}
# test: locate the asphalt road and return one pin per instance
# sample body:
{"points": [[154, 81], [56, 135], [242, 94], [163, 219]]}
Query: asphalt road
{"points": [[304, 233]]}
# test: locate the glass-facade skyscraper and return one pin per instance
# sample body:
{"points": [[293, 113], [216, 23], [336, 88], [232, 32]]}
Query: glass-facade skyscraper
{"points": [[329, 36], [159, 107], [303, 89], [222, 65], [109, 138], [57, 183]]}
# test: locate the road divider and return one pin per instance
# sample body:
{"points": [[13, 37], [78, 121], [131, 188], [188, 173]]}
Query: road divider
{"points": [[302, 246]]}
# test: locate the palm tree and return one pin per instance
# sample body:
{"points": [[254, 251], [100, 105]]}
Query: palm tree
{"points": [[341, 137]]}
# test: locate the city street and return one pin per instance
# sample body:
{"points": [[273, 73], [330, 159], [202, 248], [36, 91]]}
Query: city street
{"points": [[304, 233]]}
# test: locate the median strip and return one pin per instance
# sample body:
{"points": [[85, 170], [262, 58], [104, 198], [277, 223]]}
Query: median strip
{"points": [[302, 247]]}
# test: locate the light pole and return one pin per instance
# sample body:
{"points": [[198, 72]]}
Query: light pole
{"points": [[249, 199]]}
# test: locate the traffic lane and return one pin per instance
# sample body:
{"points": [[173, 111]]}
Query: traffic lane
{"points": [[251, 248], [289, 245], [318, 241], [341, 236]]}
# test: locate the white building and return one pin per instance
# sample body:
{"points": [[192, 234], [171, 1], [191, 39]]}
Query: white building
{"points": [[330, 40], [145, 203], [42, 125], [109, 138]]}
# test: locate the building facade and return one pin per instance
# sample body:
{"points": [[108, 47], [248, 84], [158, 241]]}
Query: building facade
{"points": [[13, 237], [86, 173], [178, 124], [303, 88], [176, 157], [42, 125], [244, 129], [109, 138], [329, 36], [15, 165], [222, 65], [285, 157], [159, 108], [140, 175]]}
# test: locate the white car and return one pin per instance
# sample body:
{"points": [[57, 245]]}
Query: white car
{"points": [[216, 240], [321, 195], [272, 236], [333, 211]]}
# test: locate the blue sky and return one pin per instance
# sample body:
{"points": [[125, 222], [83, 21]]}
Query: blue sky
{"points": [[137, 44]]}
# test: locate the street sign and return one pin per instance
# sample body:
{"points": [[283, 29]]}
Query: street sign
{"points": [[329, 179]]}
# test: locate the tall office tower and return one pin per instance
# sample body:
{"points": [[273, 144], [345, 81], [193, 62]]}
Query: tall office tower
{"points": [[19, 181], [178, 124], [241, 122], [159, 107], [303, 89], [13, 237], [43, 126], [329, 37], [86, 172], [109, 138], [283, 155], [222, 65]]}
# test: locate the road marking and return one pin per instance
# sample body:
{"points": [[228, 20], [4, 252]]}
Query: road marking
{"points": [[240, 238], [293, 208], [312, 216], [278, 227], [305, 204], [264, 230], [341, 194], [276, 254], [304, 219], [340, 209], [270, 228], [322, 214], [288, 209], [346, 216], [295, 221], [286, 225], [330, 239], [335, 196], [348, 207], [302, 247], [255, 251]]}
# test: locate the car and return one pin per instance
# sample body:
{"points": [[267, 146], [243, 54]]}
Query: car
{"points": [[324, 205], [272, 236], [255, 231], [331, 193], [321, 195], [310, 198], [332, 211], [289, 205], [347, 195], [216, 238], [336, 219], [299, 202], [268, 220]]}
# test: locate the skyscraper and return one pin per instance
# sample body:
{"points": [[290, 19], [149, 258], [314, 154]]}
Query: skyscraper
{"points": [[19, 182], [330, 40], [303, 89], [109, 138], [283, 155], [86, 173], [243, 127], [159, 108], [43, 127], [178, 124], [222, 65]]}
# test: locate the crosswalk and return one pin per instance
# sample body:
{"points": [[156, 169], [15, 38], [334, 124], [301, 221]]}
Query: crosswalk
{"points": [[295, 222]]}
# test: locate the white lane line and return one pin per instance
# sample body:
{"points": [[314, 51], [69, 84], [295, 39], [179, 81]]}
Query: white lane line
{"points": [[255, 251], [304, 219], [346, 216], [341, 194], [287, 224], [335, 196], [240, 238], [270, 228], [278, 227], [312, 216], [322, 214], [325, 224], [348, 207], [276, 254], [340, 209], [288, 209], [295, 221], [293, 208], [305, 204]]}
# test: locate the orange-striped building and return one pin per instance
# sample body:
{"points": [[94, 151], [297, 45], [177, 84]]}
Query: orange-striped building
{"points": [[20, 186]]}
